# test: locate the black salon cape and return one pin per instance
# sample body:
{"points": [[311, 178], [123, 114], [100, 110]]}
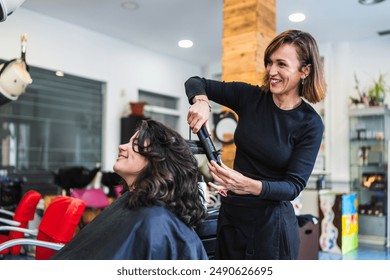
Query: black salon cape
{"points": [[118, 233]]}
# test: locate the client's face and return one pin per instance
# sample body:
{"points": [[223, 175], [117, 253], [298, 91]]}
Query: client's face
{"points": [[129, 162]]}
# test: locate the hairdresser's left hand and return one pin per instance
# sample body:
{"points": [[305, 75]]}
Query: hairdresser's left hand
{"points": [[231, 180]]}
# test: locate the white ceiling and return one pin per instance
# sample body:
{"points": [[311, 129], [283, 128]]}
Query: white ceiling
{"points": [[159, 24]]}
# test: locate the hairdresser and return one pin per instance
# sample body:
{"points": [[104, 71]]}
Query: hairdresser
{"points": [[277, 140]]}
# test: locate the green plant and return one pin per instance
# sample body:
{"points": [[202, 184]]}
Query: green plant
{"points": [[377, 92]]}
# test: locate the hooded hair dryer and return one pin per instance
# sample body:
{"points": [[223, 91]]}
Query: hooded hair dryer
{"points": [[14, 76]]}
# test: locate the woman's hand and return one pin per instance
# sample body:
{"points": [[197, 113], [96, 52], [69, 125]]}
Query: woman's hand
{"points": [[231, 180], [199, 113]]}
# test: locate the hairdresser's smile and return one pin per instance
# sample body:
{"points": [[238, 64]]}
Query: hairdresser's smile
{"points": [[274, 81]]}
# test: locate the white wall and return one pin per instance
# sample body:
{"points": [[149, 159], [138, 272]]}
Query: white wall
{"points": [[57, 45], [367, 59]]}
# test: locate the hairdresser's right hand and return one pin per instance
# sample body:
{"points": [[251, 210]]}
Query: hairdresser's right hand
{"points": [[199, 113], [227, 179]]}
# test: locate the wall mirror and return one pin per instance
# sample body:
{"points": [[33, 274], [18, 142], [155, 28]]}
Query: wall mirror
{"points": [[225, 124]]}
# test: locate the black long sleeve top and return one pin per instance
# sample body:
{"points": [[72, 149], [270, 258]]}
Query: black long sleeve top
{"points": [[278, 147]]}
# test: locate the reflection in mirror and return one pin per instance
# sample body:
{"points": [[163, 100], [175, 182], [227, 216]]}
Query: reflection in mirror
{"points": [[225, 124]]}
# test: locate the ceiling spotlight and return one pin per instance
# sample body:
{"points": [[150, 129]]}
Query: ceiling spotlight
{"points": [[185, 44], [60, 73], [370, 2], [297, 17]]}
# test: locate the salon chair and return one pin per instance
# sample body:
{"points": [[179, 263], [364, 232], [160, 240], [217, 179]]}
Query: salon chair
{"points": [[57, 227], [207, 232], [24, 213]]}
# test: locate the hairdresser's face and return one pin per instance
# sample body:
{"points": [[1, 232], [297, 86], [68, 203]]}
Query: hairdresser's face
{"points": [[129, 162], [283, 71]]}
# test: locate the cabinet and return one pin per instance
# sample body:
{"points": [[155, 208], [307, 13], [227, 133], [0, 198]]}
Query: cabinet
{"points": [[369, 169], [128, 127]]}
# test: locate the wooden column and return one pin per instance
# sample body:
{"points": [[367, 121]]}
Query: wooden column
{"points": [[248, 27]]}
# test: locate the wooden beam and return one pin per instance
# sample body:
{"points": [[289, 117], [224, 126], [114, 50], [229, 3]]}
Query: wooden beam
{"points": [[248, 27]]}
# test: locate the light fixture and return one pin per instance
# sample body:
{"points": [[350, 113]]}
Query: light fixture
{"points": [[297, 17], [185, 44], [370, 2], [60, 73]]}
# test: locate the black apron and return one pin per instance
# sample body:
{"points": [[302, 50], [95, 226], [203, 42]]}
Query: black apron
{"points": [[252, 228]]}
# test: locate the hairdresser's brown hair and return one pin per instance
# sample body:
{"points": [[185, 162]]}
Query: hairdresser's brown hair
{"points": [[314, 87]]}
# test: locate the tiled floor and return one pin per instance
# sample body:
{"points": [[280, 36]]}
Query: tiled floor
{"points": [[364, 252]]}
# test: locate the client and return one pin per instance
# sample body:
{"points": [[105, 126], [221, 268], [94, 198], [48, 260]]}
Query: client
{"points": [[155, 216]]}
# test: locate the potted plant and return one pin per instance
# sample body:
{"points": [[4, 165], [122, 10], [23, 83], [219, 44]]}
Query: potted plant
{"points": [[377, 92], [137, 108]]}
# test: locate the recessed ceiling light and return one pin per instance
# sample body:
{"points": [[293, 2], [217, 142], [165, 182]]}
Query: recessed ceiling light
{"points": [[297, 17], [130, 5], [185, 44], [60, 73], [370, 2]]}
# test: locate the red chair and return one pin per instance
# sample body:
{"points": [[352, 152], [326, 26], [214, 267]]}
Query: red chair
{"points": [[57, 227], [59, 223], [24, 212]]}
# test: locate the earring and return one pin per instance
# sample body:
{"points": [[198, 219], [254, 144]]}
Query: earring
{"points": [[303, 81]]}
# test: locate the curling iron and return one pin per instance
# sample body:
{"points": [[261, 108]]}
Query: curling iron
{"points": [[205, 145]]}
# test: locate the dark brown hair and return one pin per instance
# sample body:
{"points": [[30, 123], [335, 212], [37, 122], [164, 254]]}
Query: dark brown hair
{"points": [[170, 177], [314, 87]]}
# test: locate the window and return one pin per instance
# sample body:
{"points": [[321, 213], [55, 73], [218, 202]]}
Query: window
{"points": [[57, 122], [161, 108]]}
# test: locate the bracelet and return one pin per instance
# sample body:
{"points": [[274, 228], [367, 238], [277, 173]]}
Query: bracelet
{"points": [[208, 103]]}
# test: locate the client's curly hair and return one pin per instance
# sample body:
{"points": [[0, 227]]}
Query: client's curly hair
{"points": [[170, 178]]}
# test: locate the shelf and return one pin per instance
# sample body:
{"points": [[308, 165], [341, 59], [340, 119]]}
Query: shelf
{"points": [[363, 189], [369, 111], [370, 225], [369, 169], [371, 140]]}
